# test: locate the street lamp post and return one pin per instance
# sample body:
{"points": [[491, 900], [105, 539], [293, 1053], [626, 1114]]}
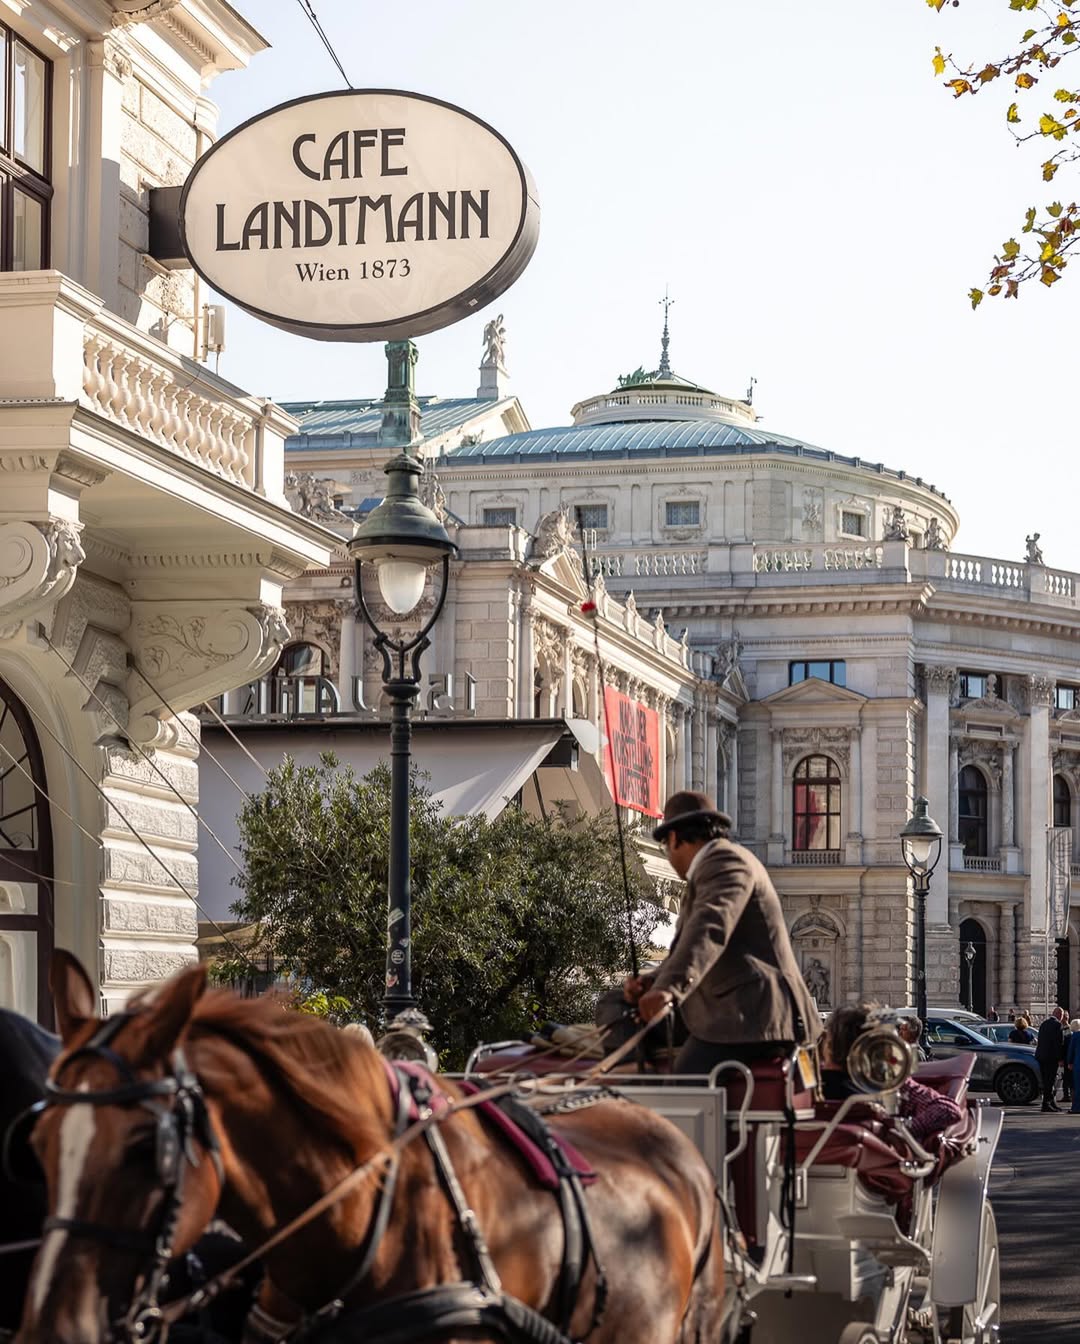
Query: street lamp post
{"points": [[969, 958], [920, 844], [402, 538]]}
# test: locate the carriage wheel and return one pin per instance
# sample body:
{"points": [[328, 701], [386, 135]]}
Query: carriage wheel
{"points": [[859, 1332], [979, 1322]]}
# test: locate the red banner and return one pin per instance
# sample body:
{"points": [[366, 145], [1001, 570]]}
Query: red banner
{"points": [[633, 747]]}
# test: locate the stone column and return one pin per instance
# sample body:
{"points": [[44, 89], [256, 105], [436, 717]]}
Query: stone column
{"points": [[347, 658], [712, 760], [1008, 821], [954, 791], [855, 836], [567, 678], [733, 779], [678, 720], [777, 844], [526, 660], [1007, 958], [689, 730], [1022, 945], [938, 776], [1040, 693], [939, 784]]}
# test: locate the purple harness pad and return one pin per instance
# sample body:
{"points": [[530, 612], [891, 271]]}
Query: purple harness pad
{"points": [[536, 1159]]}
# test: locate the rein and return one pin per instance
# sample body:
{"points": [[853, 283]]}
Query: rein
{"points": [[388, 1156]]}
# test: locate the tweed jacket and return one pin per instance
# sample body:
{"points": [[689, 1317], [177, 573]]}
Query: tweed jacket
{"points": [[731, 960]]}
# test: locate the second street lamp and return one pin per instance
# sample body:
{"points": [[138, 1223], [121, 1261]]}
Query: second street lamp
{"points": [[920, 844], [402, 538]]}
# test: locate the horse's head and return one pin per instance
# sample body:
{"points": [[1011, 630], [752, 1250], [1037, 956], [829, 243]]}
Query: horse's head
{"points": [[129, 1156]]}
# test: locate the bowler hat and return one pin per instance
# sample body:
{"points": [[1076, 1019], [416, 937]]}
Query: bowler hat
{"points": [[685, 806]]}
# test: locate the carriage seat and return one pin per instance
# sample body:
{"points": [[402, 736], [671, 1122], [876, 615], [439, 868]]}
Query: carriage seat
{"points": [[948, 1076], [769, 1097]]}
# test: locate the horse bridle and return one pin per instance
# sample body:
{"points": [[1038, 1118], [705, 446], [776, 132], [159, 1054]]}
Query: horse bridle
{"points": [[179, 1127]]}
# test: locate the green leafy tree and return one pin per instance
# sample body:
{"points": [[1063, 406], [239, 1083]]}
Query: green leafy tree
{"points": [[514, 920], [1043, 108]]}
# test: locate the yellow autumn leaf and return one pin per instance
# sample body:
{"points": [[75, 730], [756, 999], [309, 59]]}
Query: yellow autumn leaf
{"points": [[1049, 275], [1025, 81], [1048, 126], [1011, 249], [958, 86], [1012, 115], [1064, 96], [939, 62], [987, 73], [1029, 219], [1049, 169], [994, 290], [976, 297], [935, 4], [1063, 20], [1047, 252], [1055, 209]]}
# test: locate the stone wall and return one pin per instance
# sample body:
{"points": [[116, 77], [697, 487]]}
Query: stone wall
{"points": [[158, 147]]}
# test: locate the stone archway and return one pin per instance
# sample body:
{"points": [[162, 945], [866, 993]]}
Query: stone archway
{"points": [[26, 865], [973, 980]]}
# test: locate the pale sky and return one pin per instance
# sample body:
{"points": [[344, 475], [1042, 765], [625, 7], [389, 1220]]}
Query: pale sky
{"points": [[817, 202]]}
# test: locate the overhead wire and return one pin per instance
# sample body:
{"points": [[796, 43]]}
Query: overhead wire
{"points": [[309, 13], [111, 803]]}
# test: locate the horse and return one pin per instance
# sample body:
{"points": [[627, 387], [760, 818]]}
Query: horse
{"points": [[26, 1054], [272, 1111]]}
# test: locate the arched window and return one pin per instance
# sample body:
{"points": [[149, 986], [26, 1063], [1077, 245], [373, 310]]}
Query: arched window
{"points": [[1062, 802], [973, 812], [26, 907], [302, 660], [816, 808]]}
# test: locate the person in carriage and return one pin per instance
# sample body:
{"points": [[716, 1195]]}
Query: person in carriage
{"points": [[731, 969]]}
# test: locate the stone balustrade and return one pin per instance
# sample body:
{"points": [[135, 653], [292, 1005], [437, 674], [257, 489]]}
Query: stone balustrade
{"points": [[975, 864], [648, 564], [816, 858], [63, 345]]}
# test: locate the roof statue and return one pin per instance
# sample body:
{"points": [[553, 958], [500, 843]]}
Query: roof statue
{"points": [[554, 534], [726, 660], [494, 344], [1034, 554], [313, 498], [897, 529], [935, 537]]}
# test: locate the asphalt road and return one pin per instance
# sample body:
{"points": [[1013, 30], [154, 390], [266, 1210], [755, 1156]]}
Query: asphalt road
{"points": [[1034, 1192]]}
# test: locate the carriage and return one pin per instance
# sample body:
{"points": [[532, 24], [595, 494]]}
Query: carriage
{"points": [[840, 1227]]}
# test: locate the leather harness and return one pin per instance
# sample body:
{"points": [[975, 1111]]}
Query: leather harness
{"points": [[477, 1304]]}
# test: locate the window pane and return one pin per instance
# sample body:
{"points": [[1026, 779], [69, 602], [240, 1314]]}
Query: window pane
{"points": [[29, 232], [29, 108], [683, 514], [593, 516], [834, 833], [3, 97], [854, 524], [817, 767], [839, 674], [820, 670], [797, 672], [500, 517]]}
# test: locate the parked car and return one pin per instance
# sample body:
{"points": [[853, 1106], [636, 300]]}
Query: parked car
{"points": [[953, 1014], [1009, 1070], [995, 1031]]}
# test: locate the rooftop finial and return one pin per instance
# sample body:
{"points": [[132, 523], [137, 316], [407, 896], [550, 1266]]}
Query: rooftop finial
{"points": [[664, 371]]}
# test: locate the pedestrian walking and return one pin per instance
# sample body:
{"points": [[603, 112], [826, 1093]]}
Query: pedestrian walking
{"points": [[1072, 1064], [992, 1015], [1050, 1052]]}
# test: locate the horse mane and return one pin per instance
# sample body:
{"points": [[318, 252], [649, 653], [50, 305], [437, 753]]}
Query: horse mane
{"points": [[332, 1076]]}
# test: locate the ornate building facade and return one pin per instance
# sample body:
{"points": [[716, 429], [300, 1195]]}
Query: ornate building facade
{"points": [[866, 663], [145, 537]]}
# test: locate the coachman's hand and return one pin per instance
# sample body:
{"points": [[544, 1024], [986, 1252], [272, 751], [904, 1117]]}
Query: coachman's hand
{"points": [[653, 1002]]}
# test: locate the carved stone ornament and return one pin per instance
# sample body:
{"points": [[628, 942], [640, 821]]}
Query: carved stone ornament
{"points": [[38, 562], [811, 511], [313, 497], [896, 529], [986, 754], [192, 654], [318, 623], [934, 540], [726, 658], [832, 742], [1032, 551], [554, 535], [939, 679], [548, 642], [126, 12], [1040, 691]]}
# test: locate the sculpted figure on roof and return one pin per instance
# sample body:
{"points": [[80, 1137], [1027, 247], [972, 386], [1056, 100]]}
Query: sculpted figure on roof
{"points": [[494, 344]]}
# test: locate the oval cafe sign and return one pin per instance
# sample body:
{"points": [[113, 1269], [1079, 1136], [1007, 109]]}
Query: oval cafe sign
{"points": [[360, 216]]}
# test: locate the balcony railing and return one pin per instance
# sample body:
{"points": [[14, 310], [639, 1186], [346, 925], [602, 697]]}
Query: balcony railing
{"points": [[975, 864], [649, 564], [816, 857], [141, 385]]}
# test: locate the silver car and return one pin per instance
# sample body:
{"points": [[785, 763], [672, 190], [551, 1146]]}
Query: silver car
{"points": [[1009, 1070]]}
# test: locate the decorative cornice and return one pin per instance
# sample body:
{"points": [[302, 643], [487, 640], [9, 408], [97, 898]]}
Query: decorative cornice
{"points": [[1040, 691], [38, 563], [129, 12], [939, 679], [800, 742]]}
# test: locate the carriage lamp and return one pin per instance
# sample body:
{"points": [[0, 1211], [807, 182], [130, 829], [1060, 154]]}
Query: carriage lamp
{"points": [[920, 844], [402, 539]]}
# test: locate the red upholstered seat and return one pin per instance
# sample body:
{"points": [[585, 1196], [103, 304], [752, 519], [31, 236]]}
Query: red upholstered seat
{"points": [[770, 1088], [949, 1076]]}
